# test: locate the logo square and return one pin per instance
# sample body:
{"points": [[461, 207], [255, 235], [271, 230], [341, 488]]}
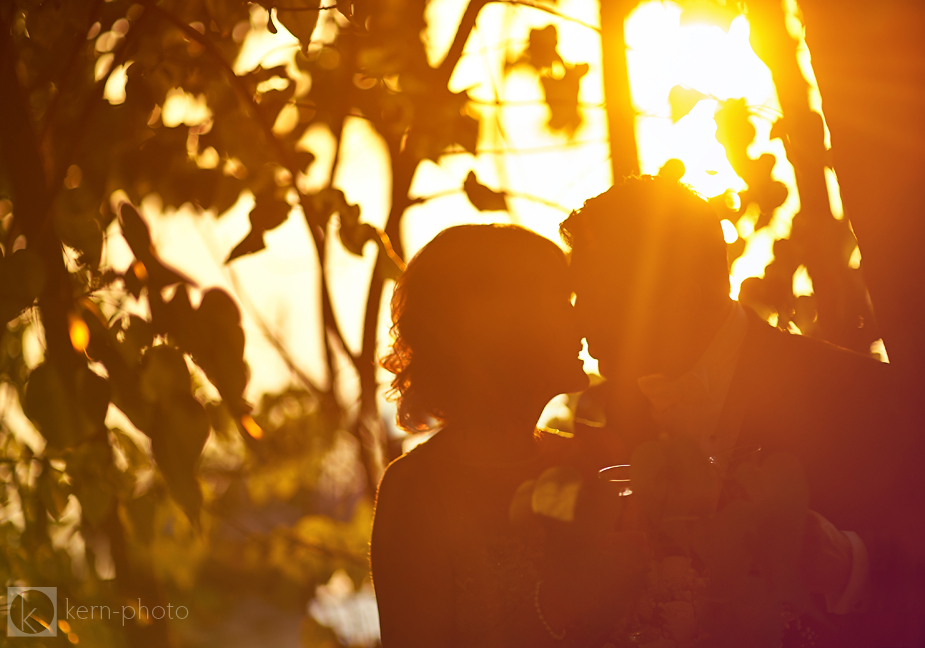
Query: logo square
{"points": [[33, 611]]}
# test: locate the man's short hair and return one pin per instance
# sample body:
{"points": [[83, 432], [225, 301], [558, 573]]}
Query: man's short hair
{"points": [[653, 229]]}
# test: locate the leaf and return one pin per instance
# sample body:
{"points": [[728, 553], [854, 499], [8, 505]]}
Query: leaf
{"points": [[483, 198], [682, 100], [179, 433], [562, 98], [354, 237], [555, 494], [220, 349], [466, 132], [300, 18], [272, 101], [53, 490], [94, 478], [213, 336], [179, 426], [136, 234], [66, 408], [163, 374], [136, 337], [82, 234], [270, 211], [324, 204], [778, 130], [542, 47], [136, 458], [735, 132], [140, 512], [22, 277], [250, 244], [673, 170]]}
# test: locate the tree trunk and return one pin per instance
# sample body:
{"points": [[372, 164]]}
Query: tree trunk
{"points": [[621, 116]]}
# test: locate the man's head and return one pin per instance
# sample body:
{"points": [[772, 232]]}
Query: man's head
{"points": [[648, 262]]}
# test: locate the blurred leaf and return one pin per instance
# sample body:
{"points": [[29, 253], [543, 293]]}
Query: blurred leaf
{"points": [[22, 277], [140, 512], [272, 101], [778, 129], [213, 336], [66, 408], [673, 170], [735, 132], [250, 244], [179, 433], [136, 234], [682, 101], [322, 205], [270, 211], [555, 494], [179, 427], [163, 373], [483, 198], [137, 335], [220, 348], [53, 490], [300, 18], [91, 468], [136, 457], [354, 234], [542, 47], [562, 98]]}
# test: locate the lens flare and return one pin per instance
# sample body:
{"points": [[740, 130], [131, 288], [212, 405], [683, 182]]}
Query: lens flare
{"points": [[79, 332], [250, 425]]}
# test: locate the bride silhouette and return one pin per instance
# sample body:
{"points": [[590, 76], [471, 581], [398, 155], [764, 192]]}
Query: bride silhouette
{"points": [[484, 336]]}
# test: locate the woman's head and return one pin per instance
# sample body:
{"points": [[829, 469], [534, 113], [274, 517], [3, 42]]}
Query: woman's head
{"points": [[483, 312]]}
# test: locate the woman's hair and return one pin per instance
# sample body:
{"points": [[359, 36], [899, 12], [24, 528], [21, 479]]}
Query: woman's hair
{"points": [[465, 271]]}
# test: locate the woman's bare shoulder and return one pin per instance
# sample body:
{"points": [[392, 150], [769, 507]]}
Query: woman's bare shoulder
{"points": [[413, 470]]}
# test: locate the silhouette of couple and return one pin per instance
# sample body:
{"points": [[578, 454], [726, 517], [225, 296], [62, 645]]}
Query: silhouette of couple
{"points": [[487, 332]]}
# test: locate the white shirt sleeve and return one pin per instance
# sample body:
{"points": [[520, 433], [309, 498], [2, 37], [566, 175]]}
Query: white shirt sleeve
{"points": [[853, 598]]}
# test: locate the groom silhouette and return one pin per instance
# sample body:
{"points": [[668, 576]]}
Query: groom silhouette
{"points": [[648, 262]]}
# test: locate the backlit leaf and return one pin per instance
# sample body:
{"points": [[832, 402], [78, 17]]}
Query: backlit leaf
{"points": [[541, 47], [562, 98], [300, 18], [483, 198], [682, 100]]}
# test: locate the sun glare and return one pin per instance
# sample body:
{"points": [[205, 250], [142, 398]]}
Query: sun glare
{"points": [[711, 66]]}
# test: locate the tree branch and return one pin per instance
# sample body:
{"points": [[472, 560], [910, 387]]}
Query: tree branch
{"points": [[466, 25], [550, 10], [284, 158]]}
